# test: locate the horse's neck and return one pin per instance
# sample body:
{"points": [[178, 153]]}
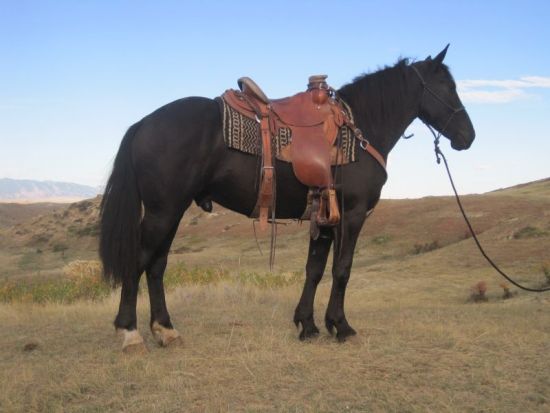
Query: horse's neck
{"points": [[385, 135], [385, 143], [396, 133]]}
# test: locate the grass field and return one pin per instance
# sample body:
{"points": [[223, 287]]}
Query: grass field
{"points": [[414, 352], [423, 344]]}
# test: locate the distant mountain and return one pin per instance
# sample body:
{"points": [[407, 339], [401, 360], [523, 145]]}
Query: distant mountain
{"points": [[19, 190]]}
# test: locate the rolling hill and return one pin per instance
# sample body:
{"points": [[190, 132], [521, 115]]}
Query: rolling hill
{"points": [[397, 229]]}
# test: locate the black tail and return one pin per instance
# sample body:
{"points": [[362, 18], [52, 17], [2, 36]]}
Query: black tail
{"points": [[121, 216]]}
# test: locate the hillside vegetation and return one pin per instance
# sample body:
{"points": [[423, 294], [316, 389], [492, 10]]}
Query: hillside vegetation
{"points": [[43, 244], [425, 343]]}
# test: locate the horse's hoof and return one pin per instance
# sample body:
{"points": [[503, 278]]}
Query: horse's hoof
{"points": [[329, 324], [138, 349], [133, 342], [309, 333], [345, 334], [166, 336]]}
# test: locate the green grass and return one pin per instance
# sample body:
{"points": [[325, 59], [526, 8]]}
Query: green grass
{"points": [[83, 281], [530, 232], [31, 260], [179, 274], [270, 280], [58, 290], [545, 267], [380, 239]]}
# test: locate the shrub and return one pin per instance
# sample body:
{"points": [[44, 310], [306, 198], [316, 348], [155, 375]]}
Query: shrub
{"points": [[60, 247], [40, 238], [91, 230], [422, 248], [478, 292], [380, 239], [81, 269], [529, 232], [82, 206], [546, 272], [507, 293]]}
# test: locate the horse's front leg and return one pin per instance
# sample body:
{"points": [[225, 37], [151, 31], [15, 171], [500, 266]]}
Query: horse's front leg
{"points": [[315, 267], [341, 268]]}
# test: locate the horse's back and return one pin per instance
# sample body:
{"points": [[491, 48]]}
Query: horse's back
{"points": [[174, 149], [184, 122]]}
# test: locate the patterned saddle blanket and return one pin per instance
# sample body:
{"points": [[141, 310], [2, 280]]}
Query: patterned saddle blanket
{"points": [[243, 133]]}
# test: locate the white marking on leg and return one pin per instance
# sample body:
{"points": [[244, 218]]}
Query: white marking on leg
{"points": [[132, 340], [163, 335]]}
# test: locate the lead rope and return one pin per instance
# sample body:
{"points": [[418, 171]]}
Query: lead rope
{"points": [[439, 155]]}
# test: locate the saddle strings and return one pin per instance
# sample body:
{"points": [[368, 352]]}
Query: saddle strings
{"points": [[273, 222], [339, 173]]}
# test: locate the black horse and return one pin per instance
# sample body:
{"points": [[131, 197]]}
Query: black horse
{"points": [[177, 154]]}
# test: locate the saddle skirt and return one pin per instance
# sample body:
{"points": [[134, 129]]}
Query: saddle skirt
{"points": [[241, 131]]}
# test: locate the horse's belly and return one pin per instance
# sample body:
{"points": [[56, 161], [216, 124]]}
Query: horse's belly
{"points": [[235, 186]]}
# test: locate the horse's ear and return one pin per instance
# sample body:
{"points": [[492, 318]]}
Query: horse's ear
{"points": [[439, 58], [429, 57]]}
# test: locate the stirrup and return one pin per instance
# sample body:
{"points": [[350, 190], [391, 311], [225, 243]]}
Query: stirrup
{"points": [[328, 214]]}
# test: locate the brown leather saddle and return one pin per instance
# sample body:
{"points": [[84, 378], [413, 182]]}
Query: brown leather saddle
{"points": [[314, 118]]}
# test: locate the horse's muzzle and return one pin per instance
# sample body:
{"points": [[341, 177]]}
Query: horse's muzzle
{"points": [[463, 141]]}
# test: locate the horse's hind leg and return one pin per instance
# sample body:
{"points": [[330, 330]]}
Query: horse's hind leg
{"points": [[315, 267], [161, 326], [126, 320], [157, 231]]}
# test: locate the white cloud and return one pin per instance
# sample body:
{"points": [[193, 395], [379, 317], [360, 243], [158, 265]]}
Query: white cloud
{"points": [[538, 81], [485, 96], [483, 167], [500, 91]]}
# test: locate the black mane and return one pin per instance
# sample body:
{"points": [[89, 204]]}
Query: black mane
{"points": [[378, 96]]}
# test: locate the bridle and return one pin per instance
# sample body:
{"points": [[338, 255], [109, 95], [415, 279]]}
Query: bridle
{"points": [[454, 111]]}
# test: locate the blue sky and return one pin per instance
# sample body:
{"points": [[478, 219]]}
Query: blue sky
{"points": [[75, 74]]}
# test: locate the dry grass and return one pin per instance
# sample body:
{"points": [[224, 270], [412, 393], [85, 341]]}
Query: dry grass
{"points": [[241, 353]]}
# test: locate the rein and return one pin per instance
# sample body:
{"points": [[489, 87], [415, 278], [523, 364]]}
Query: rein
{"points": [[439, 155]]}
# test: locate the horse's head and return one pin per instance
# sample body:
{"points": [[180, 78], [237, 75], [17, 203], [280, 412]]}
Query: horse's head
{"points": [[440, 106]]}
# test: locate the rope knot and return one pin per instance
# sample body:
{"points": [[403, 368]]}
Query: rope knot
{"points": [[437, 150]]}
